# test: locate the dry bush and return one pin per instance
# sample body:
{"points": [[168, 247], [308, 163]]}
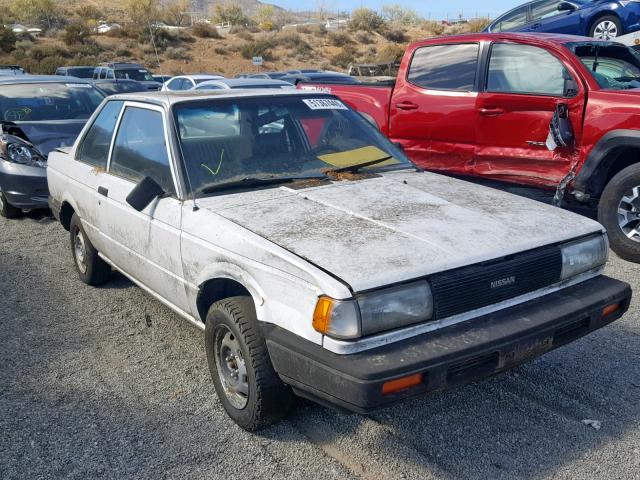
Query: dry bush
{"points": [[303, 29], [366, 19], [390, 53], [47, 51], [434, 28], [202, 30], [397, 36], [293, 42], [177, 53], [343, 58], [339, 39], [364, 38], [220, 51], [75, 33], [259, 48], [478, 24], [122, 52]]}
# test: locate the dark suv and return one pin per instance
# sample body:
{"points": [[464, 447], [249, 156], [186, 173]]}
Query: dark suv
{"points": [[126, 71]]}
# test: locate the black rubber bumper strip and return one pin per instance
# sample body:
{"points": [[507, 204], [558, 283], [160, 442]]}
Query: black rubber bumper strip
{"points": [[449, 356]]}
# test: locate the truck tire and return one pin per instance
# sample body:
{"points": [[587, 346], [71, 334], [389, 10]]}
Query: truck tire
{"points": [[619, 212], [92, 270], [6, 209], [248, 387], [606, 27]]}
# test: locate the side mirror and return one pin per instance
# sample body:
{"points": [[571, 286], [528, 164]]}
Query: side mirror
{"points": [[560, 129], [570, 87], [144, 193], [567, 7]]}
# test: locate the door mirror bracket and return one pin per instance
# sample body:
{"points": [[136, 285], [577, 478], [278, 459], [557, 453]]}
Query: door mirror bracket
{"points": [[144, 193]]}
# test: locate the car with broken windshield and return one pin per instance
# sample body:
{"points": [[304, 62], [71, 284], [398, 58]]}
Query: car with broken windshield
{"points": [[318, 260]]}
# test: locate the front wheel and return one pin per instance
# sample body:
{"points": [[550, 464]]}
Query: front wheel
{"points": [[606, 28], [6, 209], [619, 212], [92, 270], [248, 387]]}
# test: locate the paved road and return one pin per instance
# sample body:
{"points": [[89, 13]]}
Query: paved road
{"points": [[108, 383]]}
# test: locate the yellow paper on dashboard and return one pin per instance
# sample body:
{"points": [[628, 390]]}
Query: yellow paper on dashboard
{"points": [[357, 156]]}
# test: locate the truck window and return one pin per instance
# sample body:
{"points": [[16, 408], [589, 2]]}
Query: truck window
{"points": [[445, 67], [524, 69], [94, 148], [139, 149], [511, 20]]}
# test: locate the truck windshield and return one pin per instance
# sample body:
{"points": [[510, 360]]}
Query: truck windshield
{"points": [[613, 66], [34, 102], [266, 138], [138, 74]]}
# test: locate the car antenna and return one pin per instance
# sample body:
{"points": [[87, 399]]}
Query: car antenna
{"points": [[186, 170]]}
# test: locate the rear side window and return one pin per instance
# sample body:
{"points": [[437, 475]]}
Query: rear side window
{"points": [[139, 150], [445, 67], [94, 148], [175, 84], [512, 20], [525, 69]]}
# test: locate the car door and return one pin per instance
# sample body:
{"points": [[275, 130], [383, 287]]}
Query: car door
{"points": [[433, 110], [524, 86], [146, 244], [546, 18]]}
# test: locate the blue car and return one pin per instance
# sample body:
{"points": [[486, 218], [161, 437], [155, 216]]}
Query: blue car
{"points": [[602, 19]]}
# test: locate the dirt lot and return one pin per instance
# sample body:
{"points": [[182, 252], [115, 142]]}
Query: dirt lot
{"points": [[108, 383]]}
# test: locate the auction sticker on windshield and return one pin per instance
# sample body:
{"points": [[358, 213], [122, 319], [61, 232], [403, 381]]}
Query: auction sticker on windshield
{"points": [[324, 104]]}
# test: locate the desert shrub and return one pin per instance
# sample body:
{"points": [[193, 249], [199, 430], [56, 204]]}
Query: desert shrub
{"points": [[398, 36], [183, 36], [177, 53], [122, 52], [364, 38], [366, 19], [220, 51], [86, 48], [7, 40], [117, 33], [400, 16], [203, 30], [390, 53], [147, 48], [303, 29], [339, 39], [478, 24], [293, 41], [245, 35], [42, 52], [75, 33], [321, 31], [435, 28], [259, 48], [343, 58], [43, 66]]}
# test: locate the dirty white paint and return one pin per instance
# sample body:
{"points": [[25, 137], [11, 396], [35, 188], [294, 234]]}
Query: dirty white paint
{"points": [[287, 247]]}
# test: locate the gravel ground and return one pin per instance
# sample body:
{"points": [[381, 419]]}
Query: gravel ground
{"points": [[108, 383]]}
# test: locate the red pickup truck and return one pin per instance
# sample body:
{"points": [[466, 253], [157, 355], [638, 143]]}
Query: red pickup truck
{"points": [[551, 111]]}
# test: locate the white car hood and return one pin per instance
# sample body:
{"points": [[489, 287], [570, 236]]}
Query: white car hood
{"points": [[399, 226]]}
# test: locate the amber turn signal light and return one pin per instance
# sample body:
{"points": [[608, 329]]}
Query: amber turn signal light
{"points": [[609, 309], [322, 314], [401, 383]]}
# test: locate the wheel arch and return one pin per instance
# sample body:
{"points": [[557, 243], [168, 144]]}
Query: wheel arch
{"points": [[66, 212], [605, 13], [616, 151]]}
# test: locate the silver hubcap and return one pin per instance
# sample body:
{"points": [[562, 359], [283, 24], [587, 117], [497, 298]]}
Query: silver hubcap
{"points": [[629, 214], [231, 366], [80, 251], [605, 30]]}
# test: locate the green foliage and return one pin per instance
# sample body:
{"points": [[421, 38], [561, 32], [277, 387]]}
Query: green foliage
{"points": [[399, 16], [366, 19], [75, 33], [258, 48], [229, 13], [43, 12], [7, 40]]}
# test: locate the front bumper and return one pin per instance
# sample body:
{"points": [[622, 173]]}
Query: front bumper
{"points": [[24, 186], [450, 356]]}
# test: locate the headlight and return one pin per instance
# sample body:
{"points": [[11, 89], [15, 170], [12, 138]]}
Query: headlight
{"points": [[374, 312], [584, 255], [17, 150]]}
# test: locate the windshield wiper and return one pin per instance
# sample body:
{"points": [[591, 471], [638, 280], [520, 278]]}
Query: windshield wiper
{"points": [[358, 166], [249, 182]]}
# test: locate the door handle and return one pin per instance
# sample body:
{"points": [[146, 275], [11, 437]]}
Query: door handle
{"points": [[491, 112], [103, 191], [536, 26], [406, 106]]}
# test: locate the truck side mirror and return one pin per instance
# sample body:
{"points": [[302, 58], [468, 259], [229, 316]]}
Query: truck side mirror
{"points": [[567, 7], [570, 87], [144, 193]]}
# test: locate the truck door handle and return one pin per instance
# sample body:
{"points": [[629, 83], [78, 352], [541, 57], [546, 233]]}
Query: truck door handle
{"points": [[491, 112], [406, 106], [103, 191]]}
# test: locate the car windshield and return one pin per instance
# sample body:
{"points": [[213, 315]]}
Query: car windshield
{"points": [[48, 101], [138, 74], [266, 138], [85, 72], [613, 66]]}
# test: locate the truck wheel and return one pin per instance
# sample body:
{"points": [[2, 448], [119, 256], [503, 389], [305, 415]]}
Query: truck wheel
{"points": [[91, 268], [619, 212], [246, 383], [6, 209], [606, 27]]}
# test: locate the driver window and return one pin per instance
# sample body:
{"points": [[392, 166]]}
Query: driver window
{"points": [[546, 9], [511, 20], [175, 84], [103, 73], [139, 150], [94, 148]]}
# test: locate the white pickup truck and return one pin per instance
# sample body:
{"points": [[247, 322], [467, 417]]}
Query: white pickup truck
{"points": [[317, 259]]}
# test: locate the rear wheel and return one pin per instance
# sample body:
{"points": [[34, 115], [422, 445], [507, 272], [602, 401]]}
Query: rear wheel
{"points": [[92, 270], [249, 389], [606, 28], [6, 209], [619, 212]]}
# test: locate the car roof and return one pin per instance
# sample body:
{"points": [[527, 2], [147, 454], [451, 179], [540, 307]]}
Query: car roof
{"points": [[241, 82], [201, 76], [67, 67], [170, 98], [42, 79], [554, 39]]}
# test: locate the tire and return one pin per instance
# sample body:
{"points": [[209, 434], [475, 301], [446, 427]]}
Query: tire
{"points": [[606, 27], [619, 212], [6, 209], [92, 270], [255, 397]]}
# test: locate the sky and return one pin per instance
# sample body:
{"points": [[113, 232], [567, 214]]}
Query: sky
{"points": [[434, 9]]}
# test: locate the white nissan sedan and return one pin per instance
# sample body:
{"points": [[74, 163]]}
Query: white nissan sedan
{"points": [[318, 260]]}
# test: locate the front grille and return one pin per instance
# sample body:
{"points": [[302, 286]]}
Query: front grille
{"points": [[468, 288]]}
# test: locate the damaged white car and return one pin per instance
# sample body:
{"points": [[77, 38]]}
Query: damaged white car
{"points": [[318, 260]]}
